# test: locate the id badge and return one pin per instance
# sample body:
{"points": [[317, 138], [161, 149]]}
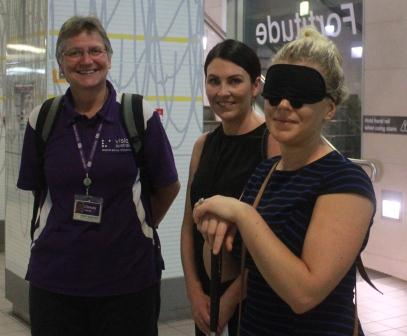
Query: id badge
{"points": [[87, 208]]}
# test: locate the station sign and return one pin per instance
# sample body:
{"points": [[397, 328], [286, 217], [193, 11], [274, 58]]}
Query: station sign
{"points": [[385, 124]]}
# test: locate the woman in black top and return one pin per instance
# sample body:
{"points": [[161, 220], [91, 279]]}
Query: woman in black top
{"points": [[221, 163], [313, 219]]}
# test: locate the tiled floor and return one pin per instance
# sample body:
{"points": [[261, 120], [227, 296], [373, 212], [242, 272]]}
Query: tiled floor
{"points": [[381, 315]]}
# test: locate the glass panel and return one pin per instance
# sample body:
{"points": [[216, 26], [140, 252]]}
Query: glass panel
{"points": [[270, 24]]}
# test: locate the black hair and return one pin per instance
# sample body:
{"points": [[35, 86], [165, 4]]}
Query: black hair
{"points": [[238, 53]]}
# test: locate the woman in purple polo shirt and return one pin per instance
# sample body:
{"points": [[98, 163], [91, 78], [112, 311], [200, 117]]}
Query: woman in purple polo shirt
{"points": [[95, 264]]}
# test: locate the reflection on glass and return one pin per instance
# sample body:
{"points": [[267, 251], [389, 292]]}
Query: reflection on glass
{"points": [[23, 71], [270, 24], [27, 48], [356, 52], [329, 30]]}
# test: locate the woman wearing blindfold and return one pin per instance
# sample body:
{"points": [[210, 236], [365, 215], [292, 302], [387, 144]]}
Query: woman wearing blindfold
{"points": [[313, 218], [221, 163]]}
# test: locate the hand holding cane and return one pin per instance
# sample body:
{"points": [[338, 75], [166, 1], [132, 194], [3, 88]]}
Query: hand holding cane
{"points": [[216, 273]]}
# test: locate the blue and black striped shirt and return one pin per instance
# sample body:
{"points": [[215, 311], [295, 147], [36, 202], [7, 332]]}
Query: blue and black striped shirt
{"points": [[287, 205]]}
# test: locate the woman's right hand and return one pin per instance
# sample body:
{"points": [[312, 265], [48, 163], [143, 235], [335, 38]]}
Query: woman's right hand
{"points": [[200, 308], [216, 219]]}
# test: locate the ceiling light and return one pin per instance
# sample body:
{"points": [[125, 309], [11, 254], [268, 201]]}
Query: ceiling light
{"points": [[304, 8]]}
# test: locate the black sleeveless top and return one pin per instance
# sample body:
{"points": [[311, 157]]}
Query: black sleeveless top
{"points": [[226, 163]]}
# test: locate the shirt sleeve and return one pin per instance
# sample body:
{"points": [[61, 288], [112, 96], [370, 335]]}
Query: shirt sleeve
{"points": [[30, 174], [350, 179], [159, 158]]}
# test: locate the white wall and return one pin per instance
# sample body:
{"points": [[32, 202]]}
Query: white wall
{"points": [[216, 9], [384, 94]]}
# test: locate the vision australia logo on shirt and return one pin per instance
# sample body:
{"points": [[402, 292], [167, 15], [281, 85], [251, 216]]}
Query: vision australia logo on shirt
{"points": [[120, 145]]}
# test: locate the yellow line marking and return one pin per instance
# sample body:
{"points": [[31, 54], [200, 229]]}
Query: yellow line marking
{"points": [[182, 99], [174, 98], [23, 40], [131, 37]]}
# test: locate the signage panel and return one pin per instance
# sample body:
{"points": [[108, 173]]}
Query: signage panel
{"points": [[385, 124]]}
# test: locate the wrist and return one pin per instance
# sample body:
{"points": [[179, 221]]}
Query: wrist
{"points": [[242, 211], [193, 287]]}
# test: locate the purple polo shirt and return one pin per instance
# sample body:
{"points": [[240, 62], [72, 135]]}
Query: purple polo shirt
{"points": [[119, 255]]}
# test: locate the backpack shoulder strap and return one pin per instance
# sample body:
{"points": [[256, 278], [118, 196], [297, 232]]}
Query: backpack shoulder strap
{"points": [[133, 118], [137, 103], [43, 127], [132, 114], [47, 116]]}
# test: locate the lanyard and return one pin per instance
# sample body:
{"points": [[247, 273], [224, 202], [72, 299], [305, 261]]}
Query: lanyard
{"points": [[87, 164]]}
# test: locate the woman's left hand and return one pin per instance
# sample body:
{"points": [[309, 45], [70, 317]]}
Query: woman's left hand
{"points": [[215, 218]]}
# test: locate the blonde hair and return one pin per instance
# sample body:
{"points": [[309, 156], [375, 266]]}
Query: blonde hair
{"points": [[314, 48]]}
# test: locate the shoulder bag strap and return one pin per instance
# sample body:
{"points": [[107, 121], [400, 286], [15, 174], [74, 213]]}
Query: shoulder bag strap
{"points": [[243, 256], [363, 274], [356, 322], [265, 143]]}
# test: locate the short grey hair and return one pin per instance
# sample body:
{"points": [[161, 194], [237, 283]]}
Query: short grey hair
{"points": [[75, 26]]}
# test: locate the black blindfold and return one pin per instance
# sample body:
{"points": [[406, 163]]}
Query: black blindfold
{"points": [[297, 83]]}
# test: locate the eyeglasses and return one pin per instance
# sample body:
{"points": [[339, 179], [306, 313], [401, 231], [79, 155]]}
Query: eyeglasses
{"points": [[75, 53]]}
